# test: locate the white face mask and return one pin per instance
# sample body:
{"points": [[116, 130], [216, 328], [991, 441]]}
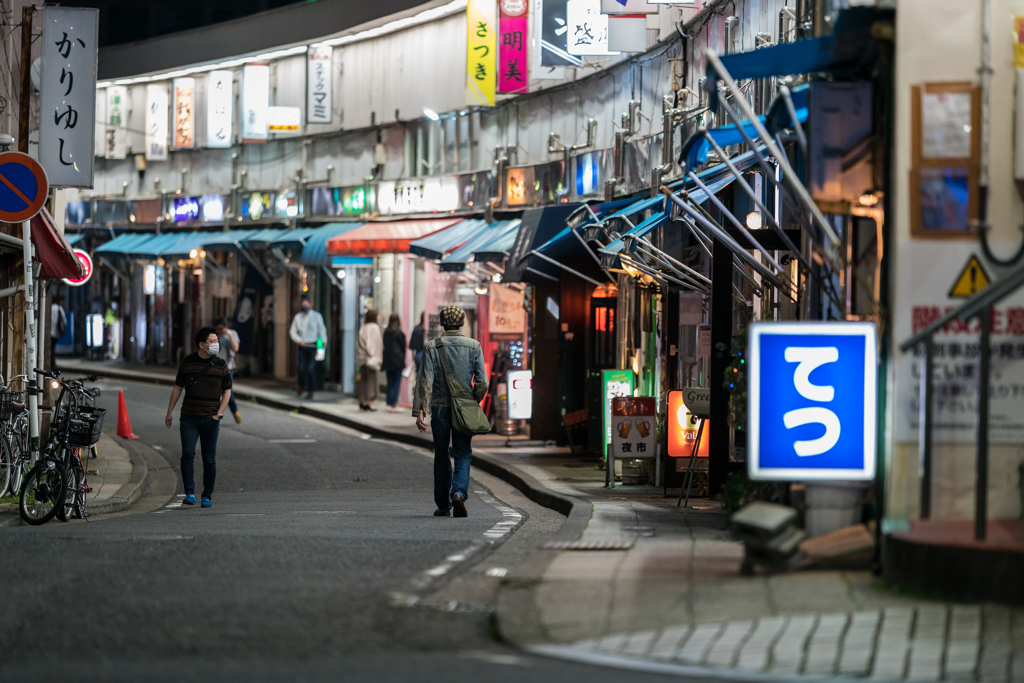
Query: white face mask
{"points": [[214, 348]]}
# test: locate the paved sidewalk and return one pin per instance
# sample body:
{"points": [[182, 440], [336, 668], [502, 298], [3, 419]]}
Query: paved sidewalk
{"points": [[116, 478], [669, 596]]}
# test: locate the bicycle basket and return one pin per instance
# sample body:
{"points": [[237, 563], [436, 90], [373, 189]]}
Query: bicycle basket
{"points": [[7, 400], [86, 426]]}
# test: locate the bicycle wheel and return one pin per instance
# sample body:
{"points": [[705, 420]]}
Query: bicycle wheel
{"points": [[6, 468], [42, 494], [74, 501]]}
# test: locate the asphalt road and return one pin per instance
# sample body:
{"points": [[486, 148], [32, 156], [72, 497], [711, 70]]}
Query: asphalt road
{"points": [[290, 576]]}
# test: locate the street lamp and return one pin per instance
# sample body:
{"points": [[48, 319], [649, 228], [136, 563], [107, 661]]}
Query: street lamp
{"points": [[431, 114]]}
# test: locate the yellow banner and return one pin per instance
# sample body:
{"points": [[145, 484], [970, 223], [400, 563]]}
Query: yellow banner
{"points": [[481, 53], [1018, 48]]}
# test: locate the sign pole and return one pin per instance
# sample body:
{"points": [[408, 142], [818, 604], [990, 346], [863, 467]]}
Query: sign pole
{"points": [[30, 340], [24, 99]]}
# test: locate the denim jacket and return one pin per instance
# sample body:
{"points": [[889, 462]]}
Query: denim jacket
{"points": [[467, 362]]}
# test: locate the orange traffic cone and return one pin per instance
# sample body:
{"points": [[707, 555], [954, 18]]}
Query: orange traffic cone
{"points": [[124, 426]]}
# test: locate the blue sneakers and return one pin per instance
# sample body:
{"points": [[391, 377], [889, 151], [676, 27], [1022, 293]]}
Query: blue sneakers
{"points": [[207, 502], [190, 499]]}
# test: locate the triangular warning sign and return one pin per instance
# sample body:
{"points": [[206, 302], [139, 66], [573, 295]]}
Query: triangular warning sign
{"points": [[971, 280]]}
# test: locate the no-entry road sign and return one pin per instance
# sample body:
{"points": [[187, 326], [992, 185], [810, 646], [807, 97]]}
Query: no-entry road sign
{"points": [[23, 187]]}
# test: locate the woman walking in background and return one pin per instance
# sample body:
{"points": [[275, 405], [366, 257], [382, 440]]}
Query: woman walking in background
{"points": [[394, 360], [369, 356], [416, 341]]}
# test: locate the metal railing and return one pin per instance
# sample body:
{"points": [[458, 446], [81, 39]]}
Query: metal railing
{"points": [[979, 306]]}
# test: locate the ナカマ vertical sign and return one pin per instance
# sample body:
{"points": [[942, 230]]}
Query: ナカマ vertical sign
{"points": [[68, 95], [812, 401], [481, 53], [319, 104], [513, 26], [156, 121], [219, 105]]}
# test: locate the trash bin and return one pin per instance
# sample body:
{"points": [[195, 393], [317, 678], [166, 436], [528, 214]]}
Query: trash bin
{"points": [[833, 505]]}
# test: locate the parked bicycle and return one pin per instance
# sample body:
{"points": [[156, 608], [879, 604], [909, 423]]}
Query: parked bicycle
{"points": [[58, 485], [15, 456]]}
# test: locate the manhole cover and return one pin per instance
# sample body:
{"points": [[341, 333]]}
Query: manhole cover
{"points": [[588, 545]]}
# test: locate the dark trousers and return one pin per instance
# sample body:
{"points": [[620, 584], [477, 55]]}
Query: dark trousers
{"points": [[232, 405], [205, 431], [307, 368], [394, 386], [446, 481]]}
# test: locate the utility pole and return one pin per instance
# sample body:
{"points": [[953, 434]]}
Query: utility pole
{"points": [[24, 96]]}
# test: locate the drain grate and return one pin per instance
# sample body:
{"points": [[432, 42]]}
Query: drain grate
{"points": [[588, 545]]}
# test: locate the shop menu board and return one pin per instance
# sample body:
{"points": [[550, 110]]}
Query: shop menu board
{"points": [[633, 427], [617, 383]]}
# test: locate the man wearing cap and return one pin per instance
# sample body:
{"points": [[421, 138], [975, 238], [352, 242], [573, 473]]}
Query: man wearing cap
{"points": [[466, 359], [307, 329]]}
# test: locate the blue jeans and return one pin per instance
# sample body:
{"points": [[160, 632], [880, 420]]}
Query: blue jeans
{"points": [[307, 368], [204, 430], [394, 386], [232, 406], [446, 484]]}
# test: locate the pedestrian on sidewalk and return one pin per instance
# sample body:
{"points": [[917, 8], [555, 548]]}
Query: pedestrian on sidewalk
{"points": [[58, 326], [206, 381], [308, 330], [419, 334], [466, 359], [369, 358], [394, 360], [229, 343]]}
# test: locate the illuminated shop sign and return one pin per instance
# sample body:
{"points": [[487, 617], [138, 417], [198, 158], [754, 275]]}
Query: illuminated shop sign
{"points": [[423, 195], [257, 205], [185, 210], [212, 207], [287, 204]]}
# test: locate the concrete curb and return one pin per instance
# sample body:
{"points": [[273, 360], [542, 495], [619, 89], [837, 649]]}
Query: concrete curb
{"points": [[131, 491]]}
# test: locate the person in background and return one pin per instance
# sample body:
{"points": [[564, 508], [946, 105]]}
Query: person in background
{"points": [[369, 357], [204, 378], [58, 326], [466, 359], [419, 334], [229, 343], [307, 329], [394, 360]]}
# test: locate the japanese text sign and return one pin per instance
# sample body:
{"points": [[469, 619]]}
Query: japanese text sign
{"points": [[116, 131], [156, 121], [616, 383], [506, 315], [812, 401], [588, 28], [67, 126], [319, 104], [481, 53], [255, 102], [219, 109], [184, 113], [513, 26], [633, 427], [683, 425]]}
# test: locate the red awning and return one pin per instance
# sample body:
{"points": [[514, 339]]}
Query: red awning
{"points": [[385, 238], [53, 250]]}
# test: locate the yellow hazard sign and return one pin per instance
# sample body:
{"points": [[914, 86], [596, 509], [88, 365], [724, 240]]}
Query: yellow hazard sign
{"points": [[971, 280]]}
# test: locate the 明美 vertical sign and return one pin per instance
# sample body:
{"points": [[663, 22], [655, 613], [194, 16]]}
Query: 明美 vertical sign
{"points": [[156, 122], [184, 113], [219, 110], [481, 53], [68, 95], [319, 102], [513, 26]]}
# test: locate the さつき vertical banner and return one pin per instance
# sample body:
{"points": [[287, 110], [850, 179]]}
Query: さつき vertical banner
{"points": [[513, 25], [481, 53]]}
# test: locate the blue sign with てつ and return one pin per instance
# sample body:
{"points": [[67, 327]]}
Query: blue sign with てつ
{"points": [[812, 401]]}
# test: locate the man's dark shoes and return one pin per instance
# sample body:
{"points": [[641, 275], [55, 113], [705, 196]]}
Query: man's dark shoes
{"points": [[442, 513], [459, 505]]}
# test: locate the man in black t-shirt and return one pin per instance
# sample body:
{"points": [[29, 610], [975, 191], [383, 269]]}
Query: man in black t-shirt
{"points": [[206, 381]]}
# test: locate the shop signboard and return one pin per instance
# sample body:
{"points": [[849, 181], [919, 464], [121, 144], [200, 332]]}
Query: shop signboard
{"points": [[812, 403], [628, 7], [212, 207], [419, 195], [257, 205], [319, 101], [520, 394], [588, 28], [554, 41], [633, 427], [156, 122], [481, 53], [112, 212], [147, 211], [287, 204], [339, 201], [506, 316], [616, 383], [513, 30], [284, 119], [86, 262], [78, 213], [590, 171], [684, 419], [184, 113], [185, 210], [549, 182], [519, 186], [474, 189], [220, 100], [117, 122], [68, 101], [255, 102]]}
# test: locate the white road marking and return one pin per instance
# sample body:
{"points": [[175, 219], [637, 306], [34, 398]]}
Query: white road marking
{"points": [[496, 572]]}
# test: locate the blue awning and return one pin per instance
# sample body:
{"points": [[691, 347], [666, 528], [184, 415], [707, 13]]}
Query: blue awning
{"points": [[292, 239], [154, 247], [498, 245], [262, 238], [440, 243], [228, 241], [74, 238], [315, 251], [342, 261], [120, 245], [457, 260]]}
